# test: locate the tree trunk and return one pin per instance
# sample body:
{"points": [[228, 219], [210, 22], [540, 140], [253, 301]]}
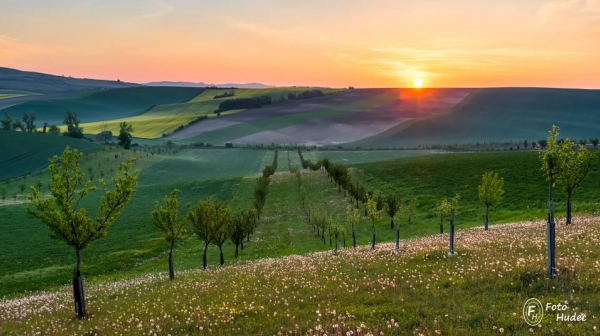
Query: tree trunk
{"points": [[204, 256], [242, 243], [357, 203], [236, 251], [330, 238], [353, 237], [373, 242], [336, 243], [569, 208], [344, 234], [248, 237], [391, 223], [366, 213], [222, 258], [171, 270], [397, 237], [487, 216], [452, 233], [550, 233], [441, 223], [78, 294]]}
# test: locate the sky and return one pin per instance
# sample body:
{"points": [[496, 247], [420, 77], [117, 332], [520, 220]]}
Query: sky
{"points": [[334, 43]]}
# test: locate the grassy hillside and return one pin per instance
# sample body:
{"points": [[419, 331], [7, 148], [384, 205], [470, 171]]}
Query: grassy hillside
{"points": [[361, 292], [27, 152], [505, 114], [104, 105], [431, 178], [12, 79], [165, 118]]}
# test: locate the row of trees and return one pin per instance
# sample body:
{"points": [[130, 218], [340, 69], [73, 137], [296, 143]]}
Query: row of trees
{"points": [[244, 103], [27, 125], [213, 223]]}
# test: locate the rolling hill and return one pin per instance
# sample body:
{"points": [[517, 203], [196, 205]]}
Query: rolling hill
{"points": [[12, 79], [502, 114], [105, 104]]}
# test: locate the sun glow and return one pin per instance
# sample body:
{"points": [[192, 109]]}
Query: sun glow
{"points": [[418, 82]]}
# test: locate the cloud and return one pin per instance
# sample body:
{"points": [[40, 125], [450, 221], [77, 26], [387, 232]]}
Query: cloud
{"points": [[13, 49], [556, 9]]}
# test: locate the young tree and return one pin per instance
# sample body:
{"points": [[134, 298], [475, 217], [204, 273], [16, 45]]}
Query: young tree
{"points": [[70, 223], [391, 206], [525, 144], [553, 164], [397, 214], [73, 128], [238, 231], [223, 220], [353, 216], [29, 120], [490, 192], [203, 219], [260, 194], [594, 142], [166, 220], [374, 214], [411, 209], [7, 123], [3, 193], [337, 230], [125, 135], [452, 205], [578, 164], [54, 130]]}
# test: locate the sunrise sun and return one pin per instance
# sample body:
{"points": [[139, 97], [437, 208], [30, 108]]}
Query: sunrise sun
{"points": [[418, 82]]}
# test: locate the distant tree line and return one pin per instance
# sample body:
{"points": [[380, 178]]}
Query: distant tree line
{"points": [[244, 103], [225, 94], [306, 94]]}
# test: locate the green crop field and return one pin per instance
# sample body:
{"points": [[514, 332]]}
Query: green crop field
{"points": [[104, 104], [499, 115], [165, 118], [349, 157], [24, 152]]}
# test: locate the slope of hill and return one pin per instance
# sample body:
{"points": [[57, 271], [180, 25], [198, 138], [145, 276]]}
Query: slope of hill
{"points": [[105, 104], [27, 152], [206, 85], [12, 79], [503, 114]]}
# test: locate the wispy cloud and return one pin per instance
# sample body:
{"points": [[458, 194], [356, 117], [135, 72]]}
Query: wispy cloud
{"points": [[13, 49], [555, 9]]}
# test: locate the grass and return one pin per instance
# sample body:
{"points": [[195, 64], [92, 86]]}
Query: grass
{"points": [[418, 291], [498, 115], [27, 152], [165, 118], [104, 104], [349, 157], [9, 95], [431, 178]]}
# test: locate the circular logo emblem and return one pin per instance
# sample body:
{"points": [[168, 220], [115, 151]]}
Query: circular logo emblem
{"points": [[533, 312]]}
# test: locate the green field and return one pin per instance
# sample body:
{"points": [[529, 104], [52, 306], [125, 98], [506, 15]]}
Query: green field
{"points": [[24, 153], [165, 118], [99, 105], [499, 115]]}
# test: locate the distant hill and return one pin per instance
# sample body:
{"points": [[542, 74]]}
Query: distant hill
{"points": [[12, 79], [498, 115], [200, 84]]}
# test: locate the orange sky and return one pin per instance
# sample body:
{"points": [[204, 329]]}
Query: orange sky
{"points": [[463, 43]]}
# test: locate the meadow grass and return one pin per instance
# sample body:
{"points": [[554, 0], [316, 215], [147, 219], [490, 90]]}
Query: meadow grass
{"points": [[480, 291]]}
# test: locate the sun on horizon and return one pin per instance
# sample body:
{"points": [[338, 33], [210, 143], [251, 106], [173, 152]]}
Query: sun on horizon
{"points": [[418, 83]]}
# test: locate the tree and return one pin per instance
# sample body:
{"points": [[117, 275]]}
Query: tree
{"points": [[594, 142], [525, 143], [451, 206], [391, 202], [70, 223], [577, 166], [553, 163], [222, 228], [73, 128], [18, 126], [410, 210], [3, 193], [29, 120], [260, 194], [54, 130], [353, 216], [374, 214], [490, 192], [125, 135], [202, 218], [443, 209], [336, 231], [7, 123], [238, 231], [166, 220]]}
